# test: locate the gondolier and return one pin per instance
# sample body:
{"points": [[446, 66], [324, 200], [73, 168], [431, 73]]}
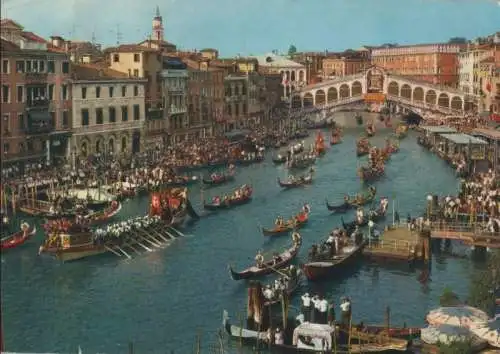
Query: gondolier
{"points": [[345, 306], [323, 310], [259, 259], [296, 239]]}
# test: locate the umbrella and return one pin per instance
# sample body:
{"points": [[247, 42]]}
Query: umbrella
{"points": [[445, 334], [456, 316], [489, 331]]}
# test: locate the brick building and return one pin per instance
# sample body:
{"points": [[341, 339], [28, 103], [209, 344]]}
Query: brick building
{"points": [[35, 98], [433, 63], [344, 64]]}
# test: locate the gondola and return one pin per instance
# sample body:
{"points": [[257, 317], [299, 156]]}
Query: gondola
{"points": [[229, 203], [17, 238], [351, 225], [369, 174], [219, 179], [292, 287], [298, 222], [279, 159], [105, 215], [268, 267], [321, 269], [301, 163], [299, 182], [342, 208], [365, 199]]}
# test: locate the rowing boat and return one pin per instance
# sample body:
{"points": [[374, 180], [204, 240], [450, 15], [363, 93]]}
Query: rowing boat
{"points": [[17, 238], [295, 183], [297, 222]]}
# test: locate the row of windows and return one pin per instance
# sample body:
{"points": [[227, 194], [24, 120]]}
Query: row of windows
{"points": [[34, 66], [236, 111], [111, 92], [23, 147], [30, 93], [21, 121], [99, 115]]}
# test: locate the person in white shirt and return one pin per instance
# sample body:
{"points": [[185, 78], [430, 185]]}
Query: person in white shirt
{"points": [[315, 313], [268, 293], [345, 306], [278, 337], [306, 307], [323, 310]]}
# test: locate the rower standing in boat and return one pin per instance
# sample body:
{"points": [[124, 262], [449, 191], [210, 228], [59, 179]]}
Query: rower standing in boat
{"points": [[323, 310], [306, 307], [306, 208], [278, 337], [315, 313], [345, 306], [259, 259]]}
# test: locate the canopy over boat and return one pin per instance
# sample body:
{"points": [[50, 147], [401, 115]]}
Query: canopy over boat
{"points": [[314, 330]]}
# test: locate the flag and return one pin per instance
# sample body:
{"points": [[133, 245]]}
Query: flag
{"points": [[488, 86]]}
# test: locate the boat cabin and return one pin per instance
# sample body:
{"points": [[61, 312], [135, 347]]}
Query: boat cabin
{"points": [[473, 148], [313, 336], [77, 239], [493, 149]]}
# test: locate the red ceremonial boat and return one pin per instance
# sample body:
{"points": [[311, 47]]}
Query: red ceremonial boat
{"points": [[17, 238]]}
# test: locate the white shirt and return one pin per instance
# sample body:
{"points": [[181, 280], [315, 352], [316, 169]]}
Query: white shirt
{"points": [[278, 338], [323, 305], [316, 303], [268, 294], [346, 306], [306, 301]]}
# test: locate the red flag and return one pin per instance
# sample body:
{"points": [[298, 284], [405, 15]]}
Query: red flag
{"points": [[488, 86]]}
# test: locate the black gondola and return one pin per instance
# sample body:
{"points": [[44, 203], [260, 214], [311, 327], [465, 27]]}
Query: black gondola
{"points": [[342, 208]]}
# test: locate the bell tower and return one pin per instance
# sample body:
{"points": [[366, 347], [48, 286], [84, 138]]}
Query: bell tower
{"points": [[157, 26]]}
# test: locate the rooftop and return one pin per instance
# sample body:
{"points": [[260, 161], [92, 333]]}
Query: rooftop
{"points": [[463, 139], [93, 72], [155, 41], [30, 36], [273, 60], [440, 129], [7, 46], [130, 48], [488, 133]]}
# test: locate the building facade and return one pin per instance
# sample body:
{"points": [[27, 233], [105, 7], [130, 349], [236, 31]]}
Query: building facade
{"points": [[294, 75], [469, 68], [108, 112], [489, 84], [35, 99], [433, 63], [344, 64], [144, 63], [175, 78]]}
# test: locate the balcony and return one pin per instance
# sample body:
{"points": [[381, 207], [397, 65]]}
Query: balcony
{"points": [[37, 103], [35, 78], [108, 127], [177, 109], [39, 122]]}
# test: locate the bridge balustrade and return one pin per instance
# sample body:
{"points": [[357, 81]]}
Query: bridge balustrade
{"points": [[396, 245], [476, 230]]}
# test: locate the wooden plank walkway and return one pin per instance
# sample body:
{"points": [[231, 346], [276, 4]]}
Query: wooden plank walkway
{"points": [[473, 235]]}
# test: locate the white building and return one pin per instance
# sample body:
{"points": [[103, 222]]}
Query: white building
{"points": [[175, 78], [108, 112], [294, 75], [468, 68]]}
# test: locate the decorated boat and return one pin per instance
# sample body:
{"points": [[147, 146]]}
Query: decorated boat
{"points": [[401, 131], [367, 173], [390, 147], [297, 222], [370, 130], [333, 265], [216, 179], [248, 160], [362, 147], [104, 215], [290, 284], [354, 201], [18, 238], [294, 182], [363, 218], [319, 144], [301, 162], [264, 267], [240, 196]]}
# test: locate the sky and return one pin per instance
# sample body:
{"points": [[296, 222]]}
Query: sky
{"points": [[248, 27]]}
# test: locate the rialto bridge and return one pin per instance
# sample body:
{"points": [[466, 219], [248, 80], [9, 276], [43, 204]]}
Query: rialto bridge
{"points": [[377, 86]]}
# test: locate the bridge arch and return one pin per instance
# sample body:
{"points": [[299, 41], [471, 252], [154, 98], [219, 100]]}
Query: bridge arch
{"points": [[418, 94], [333, 94], [406, 91], [296, 101], [344, 91], [431, 97], [320, 97], [456, 103], [356, 89], [444, 100], [308, 100], [393, 88]]}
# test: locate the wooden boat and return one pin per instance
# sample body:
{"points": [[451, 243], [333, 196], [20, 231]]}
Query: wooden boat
{"points": [[283, 260], [362, 147], [228, 203], [297, 222], [319, 144], [368, 174], [317, 270], [367, 198], [218, 179], [335, 139], [17, 238], [395, 332], [370, 131], [104, 215], [322, 339], [341, 208], [298, 182], [401, 131], [292, 286], [248, 161], [279, 159]]}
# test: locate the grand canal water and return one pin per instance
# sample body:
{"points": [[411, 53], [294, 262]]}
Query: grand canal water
{"points": [[162, 300]]}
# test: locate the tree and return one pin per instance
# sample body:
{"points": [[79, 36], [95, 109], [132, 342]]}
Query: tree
{"points": [[458, 40], [485, 285], [292, 50]]}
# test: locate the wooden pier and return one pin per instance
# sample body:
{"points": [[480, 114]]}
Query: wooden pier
{"points": [[472, 234], [398, 243]]}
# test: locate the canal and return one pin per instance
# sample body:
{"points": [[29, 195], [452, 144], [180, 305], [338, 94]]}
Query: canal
{"points": [[162, 300]]}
